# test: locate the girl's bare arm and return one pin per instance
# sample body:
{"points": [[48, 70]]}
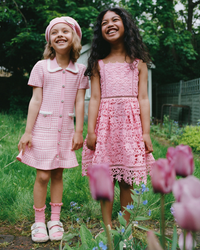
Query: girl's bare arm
{"points": [[93, 110], [34, 107], [144, 105], [77, 141]]}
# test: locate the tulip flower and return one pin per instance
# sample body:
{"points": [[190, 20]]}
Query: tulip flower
{"points": [[162, 176], [187, 213], [153, 243], [101, 184], [188, 241], [187, 186], [181, 159]]}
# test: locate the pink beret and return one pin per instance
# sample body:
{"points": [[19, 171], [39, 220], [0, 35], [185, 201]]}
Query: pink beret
{"points": [[64, 19]]}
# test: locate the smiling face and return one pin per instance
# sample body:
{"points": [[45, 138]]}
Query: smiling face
{"points": [[61, 37], [112, 27]]}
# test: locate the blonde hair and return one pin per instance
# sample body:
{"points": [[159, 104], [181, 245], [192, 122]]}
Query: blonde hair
{"points": [[49, 52]]}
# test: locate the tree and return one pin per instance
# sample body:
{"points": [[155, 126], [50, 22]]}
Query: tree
{"points": [[22, 29], [169, 37]]}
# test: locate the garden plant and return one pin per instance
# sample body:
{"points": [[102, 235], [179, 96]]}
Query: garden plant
{"points": [[186, 209], [79, 209]]}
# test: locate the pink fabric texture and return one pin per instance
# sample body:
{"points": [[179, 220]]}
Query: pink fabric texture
{"points": [[54, 127], [55, 211], [55, 215], [118, 127], [40, 217]]}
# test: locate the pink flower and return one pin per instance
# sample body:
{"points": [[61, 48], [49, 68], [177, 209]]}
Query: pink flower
{"points": [[153, 243], [188, 186], [188, 241], [162, 176], [187, 213], [101, 184], [181, 159]]}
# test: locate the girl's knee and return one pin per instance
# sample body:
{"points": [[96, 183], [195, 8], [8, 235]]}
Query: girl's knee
{"points": [[57, 174], [43, 177]]}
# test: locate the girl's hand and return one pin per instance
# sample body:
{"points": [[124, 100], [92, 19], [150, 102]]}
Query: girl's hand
{"points": [[148, 144], [91, 141], [25, 140], [77, 141]]}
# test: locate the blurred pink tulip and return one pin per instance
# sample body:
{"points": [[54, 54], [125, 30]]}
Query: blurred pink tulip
{"points": [[101, 184], [187, 213], [181, 159], [187, 186], [162, 176], [153, 243], [188, 241]]}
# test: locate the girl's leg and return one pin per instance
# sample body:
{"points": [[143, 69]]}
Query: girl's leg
{"points": [[39, 192], [40, 187], [56, 200], [125, 197], [56, 185]]}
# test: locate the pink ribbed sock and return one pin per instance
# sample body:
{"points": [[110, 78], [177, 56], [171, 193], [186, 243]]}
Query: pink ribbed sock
{"points": [[55, 215], [40, 217]]}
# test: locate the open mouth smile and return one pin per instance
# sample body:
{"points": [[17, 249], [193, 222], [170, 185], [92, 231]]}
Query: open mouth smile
{"points": [[61, 41], [111, 31]]}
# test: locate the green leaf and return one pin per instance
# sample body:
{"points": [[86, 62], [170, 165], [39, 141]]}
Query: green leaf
{"points": [[117, 241], [84, 246], [67, 247], [121, 245], [68, 236], [128, 231], [140, 218], [86, 235], [122, 221]]}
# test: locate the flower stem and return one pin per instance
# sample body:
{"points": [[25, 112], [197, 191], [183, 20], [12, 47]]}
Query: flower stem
{"points": [[193, 239], [162, 221], [110, 247], [184, 233]]}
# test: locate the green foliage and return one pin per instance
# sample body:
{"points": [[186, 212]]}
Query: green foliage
{"points": [[170, 130], [191, 137], [122, 235], [172, 45], [22, 33]]}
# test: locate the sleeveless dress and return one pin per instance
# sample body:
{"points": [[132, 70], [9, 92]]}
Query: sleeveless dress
{"points": [[118, 127]]}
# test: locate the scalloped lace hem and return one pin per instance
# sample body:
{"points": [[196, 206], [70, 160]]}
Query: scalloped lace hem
{"points": [[135, 175]]}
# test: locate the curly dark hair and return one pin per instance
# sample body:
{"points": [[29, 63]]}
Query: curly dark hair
{"points": [[135, 48]]}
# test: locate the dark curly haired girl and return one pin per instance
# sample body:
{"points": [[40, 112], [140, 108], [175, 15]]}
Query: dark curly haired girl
{"points": [[134, 46], [119, 112]]}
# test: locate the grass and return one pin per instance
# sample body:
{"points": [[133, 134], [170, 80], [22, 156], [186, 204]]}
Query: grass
{"points": [[17, 180]]}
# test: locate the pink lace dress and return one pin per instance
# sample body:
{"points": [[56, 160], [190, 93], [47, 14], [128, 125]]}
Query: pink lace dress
{"points": [[118, 127]]}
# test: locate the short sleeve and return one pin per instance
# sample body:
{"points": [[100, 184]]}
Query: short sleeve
{"points": [[36, 78], [84, 81]]}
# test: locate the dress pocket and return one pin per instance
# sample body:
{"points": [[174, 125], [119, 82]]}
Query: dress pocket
{"points": [[44, 119]]}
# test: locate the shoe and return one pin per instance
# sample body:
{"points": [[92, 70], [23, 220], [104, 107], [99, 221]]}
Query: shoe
{"points": [[55, 227], [39, 228]]}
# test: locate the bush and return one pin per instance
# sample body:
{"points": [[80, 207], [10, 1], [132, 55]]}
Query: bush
{"points": [[191, 137]]}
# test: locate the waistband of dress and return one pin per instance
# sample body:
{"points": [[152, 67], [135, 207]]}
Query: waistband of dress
{"points": [[114, 97]]}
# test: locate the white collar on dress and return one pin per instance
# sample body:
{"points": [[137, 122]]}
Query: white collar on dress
{"points": [[52, 66]]}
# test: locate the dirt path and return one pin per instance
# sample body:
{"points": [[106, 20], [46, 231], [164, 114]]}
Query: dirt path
{"points": [[18, 237]]}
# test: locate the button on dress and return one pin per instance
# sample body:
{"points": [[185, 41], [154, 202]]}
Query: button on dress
{"points": [[54, 126], [118, 127]]}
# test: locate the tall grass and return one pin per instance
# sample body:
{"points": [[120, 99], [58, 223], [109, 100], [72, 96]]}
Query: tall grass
{"points": [[17, 180]]}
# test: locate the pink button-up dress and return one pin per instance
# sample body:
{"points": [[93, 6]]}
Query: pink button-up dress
{"points": [[54, 127]]}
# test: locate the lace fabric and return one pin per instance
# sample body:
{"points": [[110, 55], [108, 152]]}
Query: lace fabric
{"points": [[118, 127]]}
